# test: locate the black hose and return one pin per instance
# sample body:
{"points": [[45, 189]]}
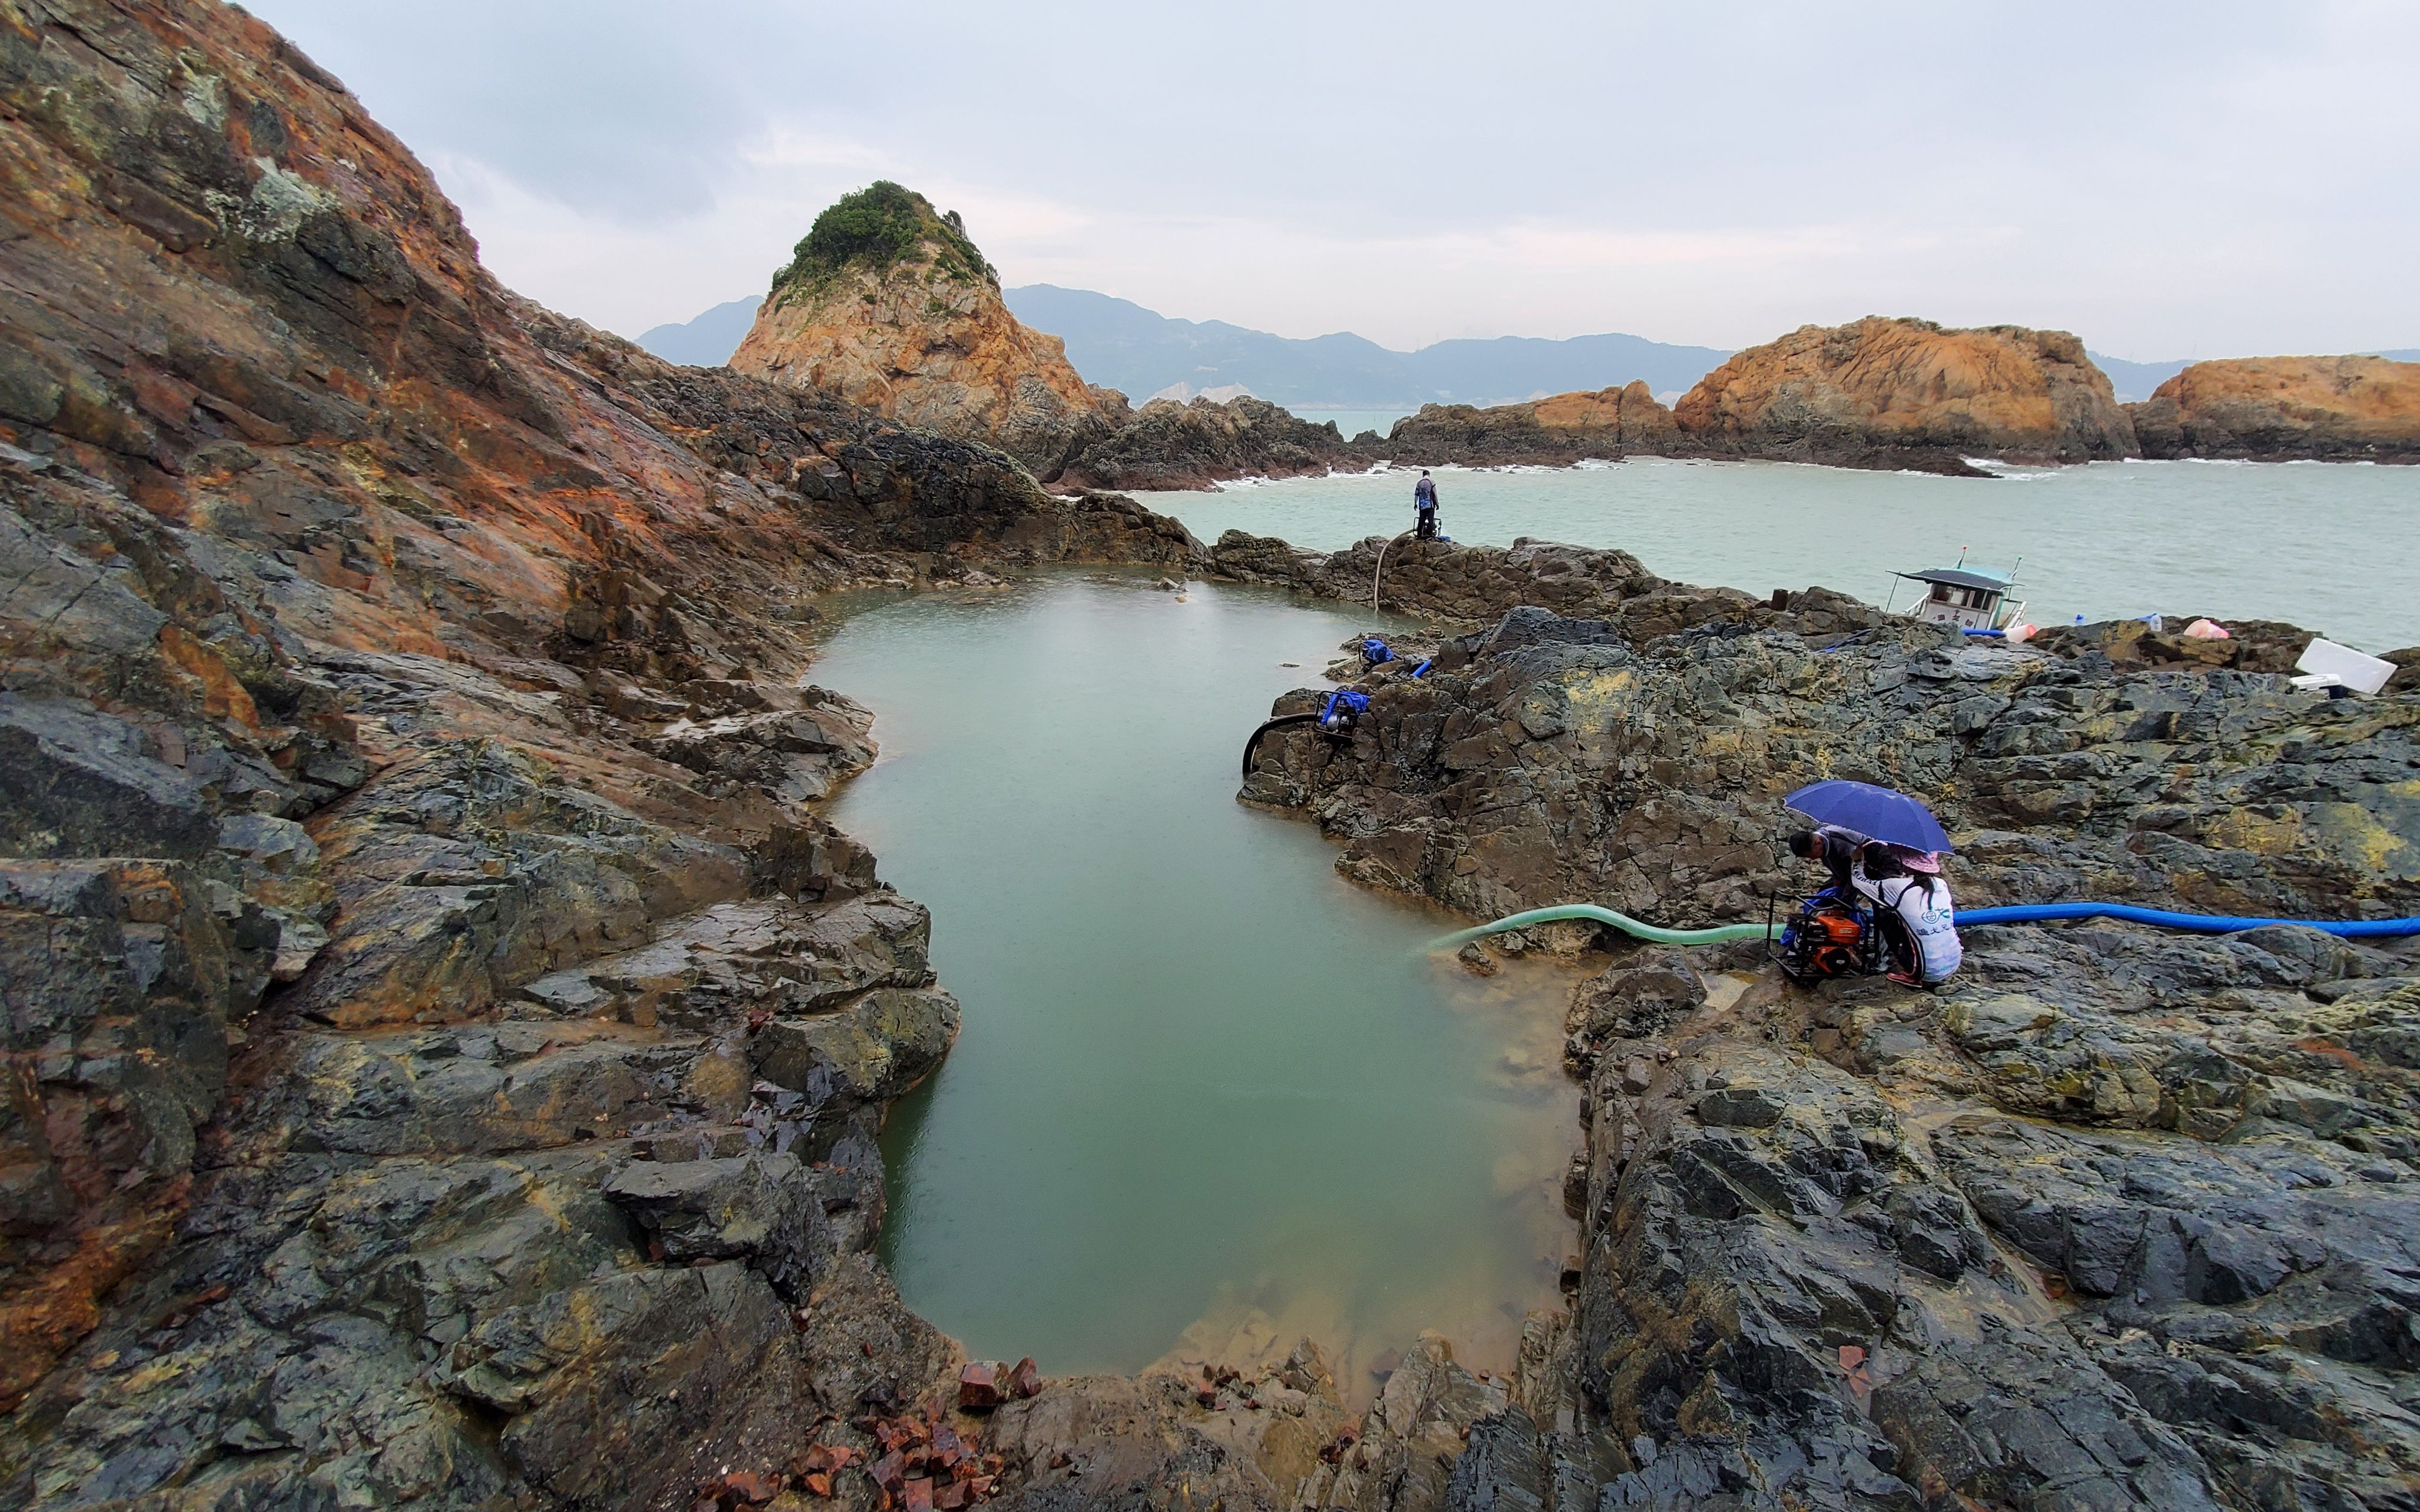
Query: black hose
{"points": [[1253, 744], [1382, 567]]}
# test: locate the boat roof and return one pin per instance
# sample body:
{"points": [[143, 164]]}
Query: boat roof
{"points": [[1962, 577]]}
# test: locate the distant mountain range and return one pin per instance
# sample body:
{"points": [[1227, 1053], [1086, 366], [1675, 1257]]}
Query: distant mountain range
{"points": [[1119, 343], [708, 341], [2134, 381]]}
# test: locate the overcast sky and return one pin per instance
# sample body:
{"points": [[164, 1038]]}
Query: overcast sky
{"points": [[2169, 180]]}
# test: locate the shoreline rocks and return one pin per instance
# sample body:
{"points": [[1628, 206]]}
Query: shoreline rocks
{"points": [[2276, 408], [1890, 393], [1170, 445], [447, 1046], [446, 1042], [1552, 432], [2092, 1224]]}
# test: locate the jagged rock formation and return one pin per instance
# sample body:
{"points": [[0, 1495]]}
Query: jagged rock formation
{"points": [[444, 1042], [1552, 432], [1908, 393], [2333, 408], [1170, 445], [2118, 1218], [889, 305], [1467, 584]]}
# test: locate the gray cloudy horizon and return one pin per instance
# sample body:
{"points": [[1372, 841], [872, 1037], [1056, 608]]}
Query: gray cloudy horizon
{"points": [[2168, 180]]}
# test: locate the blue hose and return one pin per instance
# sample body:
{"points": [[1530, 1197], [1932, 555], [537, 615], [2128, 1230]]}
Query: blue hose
{"points": [[2198, 923]]}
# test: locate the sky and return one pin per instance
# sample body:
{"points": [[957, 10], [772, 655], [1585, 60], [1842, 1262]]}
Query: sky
{"points": [[2169, 180]]}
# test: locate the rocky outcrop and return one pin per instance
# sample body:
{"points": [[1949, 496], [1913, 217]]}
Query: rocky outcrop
{"points": [[1645, 772], [2277, 408], [445, 1041], [1170, 445], [1467, 584], [2115, 1219], [1552, 432], [888, 304], [1908, 393]]}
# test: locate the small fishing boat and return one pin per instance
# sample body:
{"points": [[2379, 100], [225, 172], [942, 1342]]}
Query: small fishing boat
{"points": [[1971, 598]]}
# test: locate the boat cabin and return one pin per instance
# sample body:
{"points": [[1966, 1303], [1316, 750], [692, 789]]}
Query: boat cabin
{"points": [[1972, 598]]}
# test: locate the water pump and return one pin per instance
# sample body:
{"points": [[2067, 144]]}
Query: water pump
{"points": [[1345, 709]]}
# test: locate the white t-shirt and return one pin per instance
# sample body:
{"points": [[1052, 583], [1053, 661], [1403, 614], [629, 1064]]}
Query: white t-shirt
{"points": [[1928, 914]]}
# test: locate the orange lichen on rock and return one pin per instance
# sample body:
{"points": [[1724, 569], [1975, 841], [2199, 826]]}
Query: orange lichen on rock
{"points": [[912, 325], [1630, 414], [1563, 428], [1907, 392], [2332, 408]]}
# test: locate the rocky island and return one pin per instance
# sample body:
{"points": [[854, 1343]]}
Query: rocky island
{"points": [[446, 1040], [2280, 409], [889, 304], [1903, 393], [1882, 393]]}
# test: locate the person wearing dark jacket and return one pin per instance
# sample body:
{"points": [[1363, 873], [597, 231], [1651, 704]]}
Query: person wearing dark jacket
{"points": [[1424, 507], [1837, 848]]}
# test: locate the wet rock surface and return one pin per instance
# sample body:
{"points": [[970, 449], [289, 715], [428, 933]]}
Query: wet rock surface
{"points": [[1445, 580], [445, 1042], [2116, 1218]]}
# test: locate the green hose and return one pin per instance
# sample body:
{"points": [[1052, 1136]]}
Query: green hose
{"points": [[1650, 932]]}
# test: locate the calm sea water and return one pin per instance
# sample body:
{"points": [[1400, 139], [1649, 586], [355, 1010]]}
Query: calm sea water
{"points": [[1351, 422], [2326, 546], [1209, 1097]]}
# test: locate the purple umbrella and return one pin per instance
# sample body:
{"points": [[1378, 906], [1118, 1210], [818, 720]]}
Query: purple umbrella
{"points": [[1884, 814]]}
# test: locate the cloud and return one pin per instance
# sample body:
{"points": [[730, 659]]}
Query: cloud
{"points": [[2169, 180]]}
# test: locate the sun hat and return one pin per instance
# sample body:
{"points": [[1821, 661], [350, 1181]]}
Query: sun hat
{"points": [[1917, 861]]}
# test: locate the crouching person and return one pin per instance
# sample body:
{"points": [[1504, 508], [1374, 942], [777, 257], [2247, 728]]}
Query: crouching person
{"points": [[1913, 910]]}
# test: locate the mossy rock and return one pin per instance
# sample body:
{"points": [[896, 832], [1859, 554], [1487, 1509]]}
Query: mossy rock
{"points": [[877, 229]]}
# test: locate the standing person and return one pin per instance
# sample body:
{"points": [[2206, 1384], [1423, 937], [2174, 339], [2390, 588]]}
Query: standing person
{"points": [[1913, 910], [1424, 507]]}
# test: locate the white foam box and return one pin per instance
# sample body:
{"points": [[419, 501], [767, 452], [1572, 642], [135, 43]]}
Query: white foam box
{"points": [[2343, 666]]}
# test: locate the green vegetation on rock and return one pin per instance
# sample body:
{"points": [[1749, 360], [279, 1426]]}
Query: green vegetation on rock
{"points": [[877, 228]]}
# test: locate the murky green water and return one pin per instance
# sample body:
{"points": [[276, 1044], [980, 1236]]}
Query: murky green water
{"points": [[2326, 546], [1208, 1096]]}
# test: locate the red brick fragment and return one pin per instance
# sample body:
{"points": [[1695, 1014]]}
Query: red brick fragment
{"points": [[917, 1496], [1025, 1377]]}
